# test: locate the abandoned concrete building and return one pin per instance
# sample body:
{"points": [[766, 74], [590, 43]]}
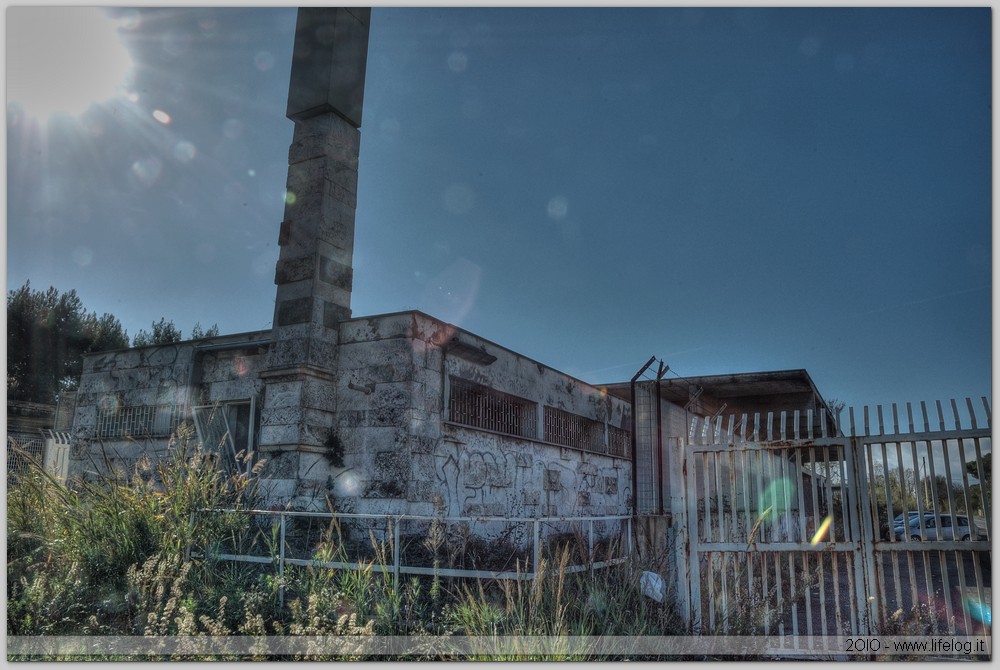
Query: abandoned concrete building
{"points": [[396, 413]]}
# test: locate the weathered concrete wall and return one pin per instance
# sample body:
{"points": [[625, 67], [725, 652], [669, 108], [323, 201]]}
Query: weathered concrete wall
{"points": [[180, 375], [391, 449], [401, 455]]}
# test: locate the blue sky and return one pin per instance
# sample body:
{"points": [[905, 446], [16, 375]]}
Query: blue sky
{"points": [[732, 190]]}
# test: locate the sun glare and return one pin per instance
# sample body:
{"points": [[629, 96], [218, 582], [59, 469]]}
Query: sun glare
{"points": [[63, 59]]}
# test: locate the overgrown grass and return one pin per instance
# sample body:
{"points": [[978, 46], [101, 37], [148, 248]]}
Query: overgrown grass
{"points": [[109, 557]]}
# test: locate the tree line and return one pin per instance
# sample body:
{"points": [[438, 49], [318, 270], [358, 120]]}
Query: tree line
{"points": [[48, 333]]}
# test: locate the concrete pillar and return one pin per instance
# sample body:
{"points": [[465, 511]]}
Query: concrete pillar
{"points": [[314, 272]]}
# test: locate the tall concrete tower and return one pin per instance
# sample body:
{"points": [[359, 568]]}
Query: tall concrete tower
{"points": [[314, 270]]}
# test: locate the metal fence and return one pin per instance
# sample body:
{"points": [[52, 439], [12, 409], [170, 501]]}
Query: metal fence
{"points": [[798, 533], [498, 548], [136, 421], [20, 447]]}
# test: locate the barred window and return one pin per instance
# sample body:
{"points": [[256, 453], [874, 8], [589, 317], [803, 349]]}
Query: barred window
{"points": [[479, 406], [573, 430], [138, 421], [619, 441]]}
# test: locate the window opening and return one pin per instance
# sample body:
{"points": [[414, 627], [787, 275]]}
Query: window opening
{"points": [[228, 430], [619, 441], [479, 406], [137, 421], [573, 430]]}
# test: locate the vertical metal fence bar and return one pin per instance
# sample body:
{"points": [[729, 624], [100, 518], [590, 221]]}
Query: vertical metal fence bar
{"points": [[984, 491], [924, 554], [910, 564], [735, 469], [747, 471], [807, 592], [779, 600], [831, 508], [965, 488], [725, 523], [808, 588], [707, 498], [628, 535], [981, 601], [937, 511], [853, 607], [765, 590], [779, 462], [718, 458], [537, 548], [281, 561], [693, 563], [896, 556], [759, 472], [859, 497], [590, 546], [793, 596], [939, 533], [880, 573], [710, 577], [396, 523]]}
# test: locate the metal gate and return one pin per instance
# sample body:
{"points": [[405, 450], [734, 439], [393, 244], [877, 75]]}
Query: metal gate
{"points": [[791, 531], [932, 569]]}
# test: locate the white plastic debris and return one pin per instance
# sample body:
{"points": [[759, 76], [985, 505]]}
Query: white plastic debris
{"points": [[653, 586]]}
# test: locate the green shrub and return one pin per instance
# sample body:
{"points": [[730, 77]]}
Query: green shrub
{"points": [[110, 556], [70, 549]]}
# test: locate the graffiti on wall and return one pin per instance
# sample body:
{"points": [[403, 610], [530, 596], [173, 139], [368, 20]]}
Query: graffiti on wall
{"points": [[502, 480]]}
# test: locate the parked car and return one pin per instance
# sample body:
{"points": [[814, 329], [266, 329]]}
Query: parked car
{"points": [[911, 515], [938, 527], [886, 528]]}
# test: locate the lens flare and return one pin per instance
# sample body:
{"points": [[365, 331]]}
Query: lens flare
{"points": [[185, 151], [347, 484], [162, 117], [821, 531], [83, 256], [147, 170], [110, 404], [557, 208], [979, 610], [777, 497], [240, 366]]}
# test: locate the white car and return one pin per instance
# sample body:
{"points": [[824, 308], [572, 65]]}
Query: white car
{"points": [[938, 527], [898, 521]]}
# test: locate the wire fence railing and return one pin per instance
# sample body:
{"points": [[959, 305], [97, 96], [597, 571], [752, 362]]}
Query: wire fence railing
{"points": [[499, 548]]}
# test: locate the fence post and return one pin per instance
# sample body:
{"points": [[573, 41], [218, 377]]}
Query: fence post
{"points": [[538, 546], [395, 552], [690, 591], [866, 535], [281, 563], [628, 536]]}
